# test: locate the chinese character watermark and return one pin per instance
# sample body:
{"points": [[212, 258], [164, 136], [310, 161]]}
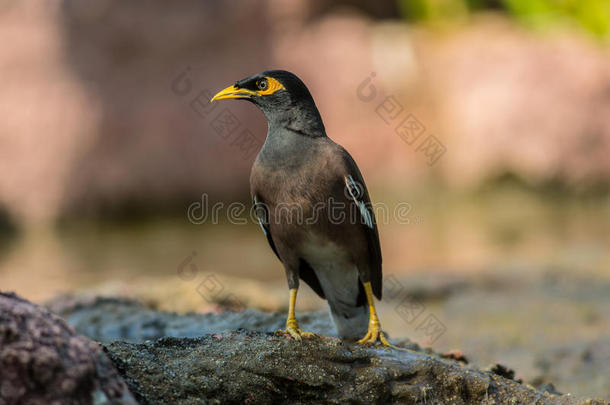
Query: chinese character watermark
{"points": [[405, 124], [413, 311], [222, 120], [209, 286]]}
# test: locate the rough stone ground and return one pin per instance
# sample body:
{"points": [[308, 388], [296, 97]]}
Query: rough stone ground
{"points": [[43, 361], [239, 360], [256, 367]]}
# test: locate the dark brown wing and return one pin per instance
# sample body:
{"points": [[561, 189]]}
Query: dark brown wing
{"points": [[262, 214], [360, 196]]}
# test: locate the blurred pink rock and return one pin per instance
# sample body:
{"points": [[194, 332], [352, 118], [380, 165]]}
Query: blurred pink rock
{"points": [[47, 118], [90, 121], [538, 106]]}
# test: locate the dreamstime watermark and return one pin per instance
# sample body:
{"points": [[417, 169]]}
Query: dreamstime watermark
{"points": [[355, 208], [209, 286], [413, 311], [406, 126], [333, 211], [224, 122]]}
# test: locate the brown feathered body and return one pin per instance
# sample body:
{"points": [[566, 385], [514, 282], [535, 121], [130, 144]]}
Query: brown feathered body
{"points": [[317, 225]]}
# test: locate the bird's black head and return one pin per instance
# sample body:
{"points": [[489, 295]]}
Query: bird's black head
{"points": [[282, 97]]}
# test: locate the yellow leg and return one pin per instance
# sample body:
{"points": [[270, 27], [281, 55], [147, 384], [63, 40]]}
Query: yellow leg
{"points": [[374, 333], [292, 326]]}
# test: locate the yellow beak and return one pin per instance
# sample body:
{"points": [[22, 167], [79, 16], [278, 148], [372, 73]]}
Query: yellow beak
{"points": [[233, 92]]}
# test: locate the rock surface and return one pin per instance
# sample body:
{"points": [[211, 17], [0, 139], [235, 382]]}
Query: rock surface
{"points": [[106, 319], [256, 367], [43, 360], [239, 360]]}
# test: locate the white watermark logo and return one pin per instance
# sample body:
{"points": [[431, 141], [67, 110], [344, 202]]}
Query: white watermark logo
{"points": [[333, 211]]}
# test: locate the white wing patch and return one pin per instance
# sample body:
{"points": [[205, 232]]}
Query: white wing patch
{"points": [[356, 192], [260, 222]]}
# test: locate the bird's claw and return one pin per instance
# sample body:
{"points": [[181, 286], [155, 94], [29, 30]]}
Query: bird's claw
{"points": [[373, 335], [292, 329]]}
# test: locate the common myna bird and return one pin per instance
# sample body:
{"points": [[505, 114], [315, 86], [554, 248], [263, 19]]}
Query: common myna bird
{"points": [[313, 206]]}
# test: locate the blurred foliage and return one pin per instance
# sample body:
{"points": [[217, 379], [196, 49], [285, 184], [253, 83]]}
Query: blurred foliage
{"points": [[591, 15]]}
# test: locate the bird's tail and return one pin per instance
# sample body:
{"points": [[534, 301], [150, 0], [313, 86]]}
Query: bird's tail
{"points": [[351, 321], [346, 298]]}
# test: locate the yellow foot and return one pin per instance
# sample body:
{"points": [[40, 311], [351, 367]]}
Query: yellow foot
{"points": [[374, 335], [292, 329]]}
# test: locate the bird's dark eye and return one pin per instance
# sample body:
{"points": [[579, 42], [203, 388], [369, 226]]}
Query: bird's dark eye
{"points": [[262, 84]]}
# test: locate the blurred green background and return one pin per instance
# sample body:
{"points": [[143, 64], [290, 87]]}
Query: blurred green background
{"points": [[105, 144], [591, 16]]}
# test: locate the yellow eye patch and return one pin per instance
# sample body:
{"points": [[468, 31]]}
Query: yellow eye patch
{"points": [[272, 86]]}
